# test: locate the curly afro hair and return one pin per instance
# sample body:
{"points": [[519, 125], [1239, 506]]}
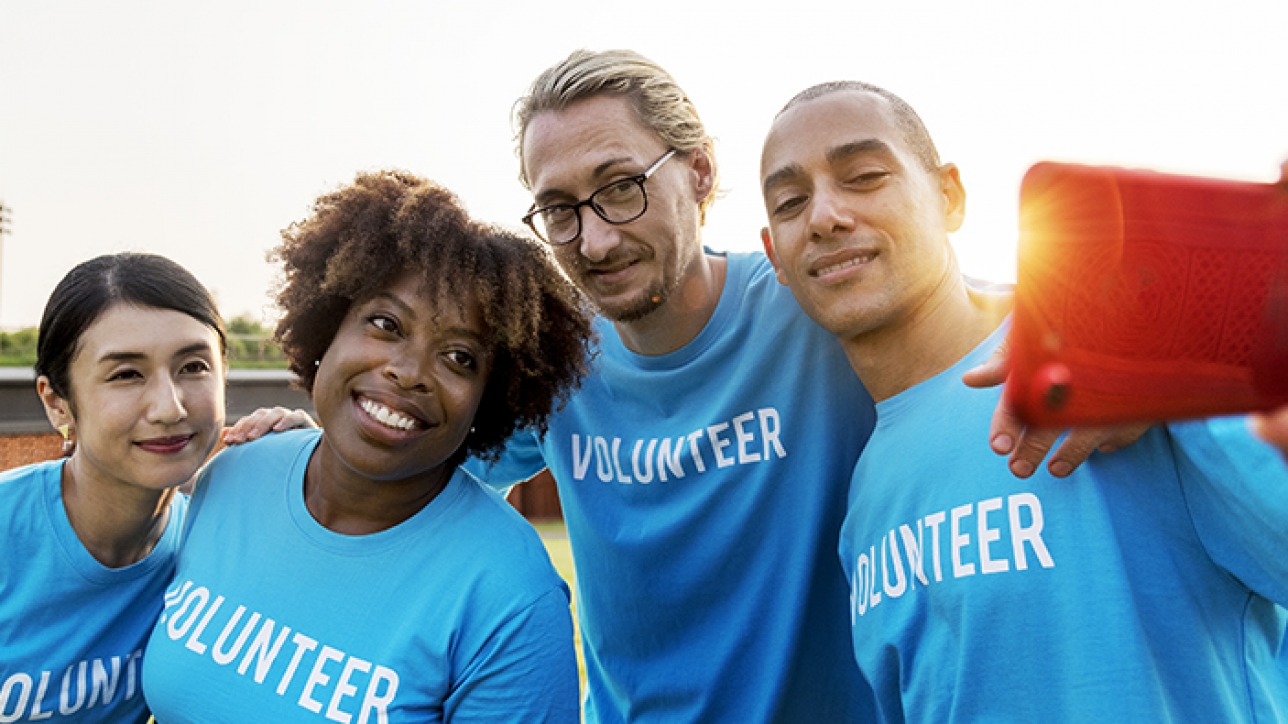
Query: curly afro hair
{"points": [[359, 239]]}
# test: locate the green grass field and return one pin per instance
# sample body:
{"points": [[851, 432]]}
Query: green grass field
{"points": [[555, 536]]}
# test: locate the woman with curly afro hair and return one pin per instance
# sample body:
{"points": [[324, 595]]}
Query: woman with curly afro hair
{"points": [[355, 571]]}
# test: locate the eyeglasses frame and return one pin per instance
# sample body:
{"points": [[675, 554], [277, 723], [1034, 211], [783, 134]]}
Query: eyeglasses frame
{"points": [[638, 179]]}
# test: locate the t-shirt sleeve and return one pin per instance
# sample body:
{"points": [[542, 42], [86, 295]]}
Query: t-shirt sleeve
{"points": [[1236, 487], [525, 672], [521, 460]]}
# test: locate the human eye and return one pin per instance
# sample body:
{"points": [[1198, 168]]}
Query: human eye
{"points": [[383, 323], [559, 220], [557, 214], [867, 178], [124, 374], [788, 205], [462, 358], [617, 192], [195, 367]]}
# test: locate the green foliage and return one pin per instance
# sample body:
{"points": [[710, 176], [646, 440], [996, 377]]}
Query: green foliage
{"points": [[249, 346], [246, 326], [18, 349]]}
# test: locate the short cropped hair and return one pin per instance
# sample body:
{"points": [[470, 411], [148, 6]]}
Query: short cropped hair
{"points": [[906, 119], [659, 102], [359, 239], [92, 287]]}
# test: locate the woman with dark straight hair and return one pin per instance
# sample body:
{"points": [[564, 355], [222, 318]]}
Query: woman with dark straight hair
{"points": [[130, 365]]}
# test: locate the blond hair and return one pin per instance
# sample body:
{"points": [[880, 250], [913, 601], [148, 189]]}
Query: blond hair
{"points": [[658, 100]]}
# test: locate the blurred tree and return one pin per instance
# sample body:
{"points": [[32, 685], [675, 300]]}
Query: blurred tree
{"points": [[18, 348], [250, 345]]}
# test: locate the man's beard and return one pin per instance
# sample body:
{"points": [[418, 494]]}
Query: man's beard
{"points": [[639, 307]]}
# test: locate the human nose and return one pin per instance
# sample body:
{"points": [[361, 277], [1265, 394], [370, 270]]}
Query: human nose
{"points": [[598, 237], [408, 370], [167, 406], [829, 214]]}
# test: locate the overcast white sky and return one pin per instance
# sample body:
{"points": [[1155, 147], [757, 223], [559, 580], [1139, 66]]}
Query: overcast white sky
{"points": [[199, 130]]}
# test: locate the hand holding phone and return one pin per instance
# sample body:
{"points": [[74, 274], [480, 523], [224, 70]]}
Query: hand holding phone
{"points": [[1147, 296]]}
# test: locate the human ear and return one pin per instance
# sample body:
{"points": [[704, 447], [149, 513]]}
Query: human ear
{"points": [[704, 173], [950, 184], [57, 409], [768, 241]]}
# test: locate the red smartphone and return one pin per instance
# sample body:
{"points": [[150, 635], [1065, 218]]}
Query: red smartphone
{"points": [[1146, 296]]}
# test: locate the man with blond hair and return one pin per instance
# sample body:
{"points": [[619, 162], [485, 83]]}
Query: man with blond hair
{"points": [[703, 465]]}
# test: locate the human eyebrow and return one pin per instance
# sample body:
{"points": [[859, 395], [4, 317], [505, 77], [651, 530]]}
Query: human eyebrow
{"points": [[193, 348], [112, 357], [126, 356], [781, 176], [393, 300], [608, 165], [467, 333], [855, 148], [557, 197]]}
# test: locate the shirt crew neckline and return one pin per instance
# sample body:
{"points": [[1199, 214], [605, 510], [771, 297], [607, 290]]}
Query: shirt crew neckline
{"points": [[330, 541], [79, 557], [737, 269], [891, 408]]}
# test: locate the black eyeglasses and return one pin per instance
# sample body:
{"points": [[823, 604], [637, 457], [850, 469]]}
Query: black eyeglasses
{"points": [[619, 202]]}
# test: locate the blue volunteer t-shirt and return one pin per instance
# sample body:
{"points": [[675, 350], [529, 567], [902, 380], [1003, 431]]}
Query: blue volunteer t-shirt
{"points": [[1146, 587], [71, 630], [703, 492], [455, 614]]}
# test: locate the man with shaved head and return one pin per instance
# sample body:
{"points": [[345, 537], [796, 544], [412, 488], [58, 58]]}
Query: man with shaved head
{"points": [[1148, 587]]}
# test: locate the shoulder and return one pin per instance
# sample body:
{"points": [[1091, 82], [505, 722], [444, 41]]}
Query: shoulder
{"points": [[506, 528], [277, 447], [30, 497], [752, 271], [241, 468], [28, 481], [1225, 446], [35, 471], [751, 280], [507, 551]]}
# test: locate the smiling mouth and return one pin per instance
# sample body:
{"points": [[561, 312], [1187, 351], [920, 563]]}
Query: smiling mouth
{"points": [[848, 263], [610, 271], [389, 418], [166, 445]]}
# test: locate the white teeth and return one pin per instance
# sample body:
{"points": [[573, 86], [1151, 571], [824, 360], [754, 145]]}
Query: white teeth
{"points": [[386, 416], [845, 264]]}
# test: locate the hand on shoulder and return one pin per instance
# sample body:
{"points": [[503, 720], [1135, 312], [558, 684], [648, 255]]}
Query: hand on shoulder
{"points": [[265, 420]]}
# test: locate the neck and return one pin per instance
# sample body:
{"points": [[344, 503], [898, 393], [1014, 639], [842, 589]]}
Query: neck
{"points": [[683, 315], [118, 524], [346, 502], [927, 339]]}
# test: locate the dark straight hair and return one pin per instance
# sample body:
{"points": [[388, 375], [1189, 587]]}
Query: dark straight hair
{"points": [[92, 287]]}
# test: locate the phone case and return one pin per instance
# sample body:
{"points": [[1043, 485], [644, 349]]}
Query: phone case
{"points": [[1146, 296]]}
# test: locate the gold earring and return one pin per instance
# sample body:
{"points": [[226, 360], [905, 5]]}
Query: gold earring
{"points": [[68, 443]]}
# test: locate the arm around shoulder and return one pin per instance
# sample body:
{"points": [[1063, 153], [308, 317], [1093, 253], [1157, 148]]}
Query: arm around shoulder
{"points": [[520, 461]]}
